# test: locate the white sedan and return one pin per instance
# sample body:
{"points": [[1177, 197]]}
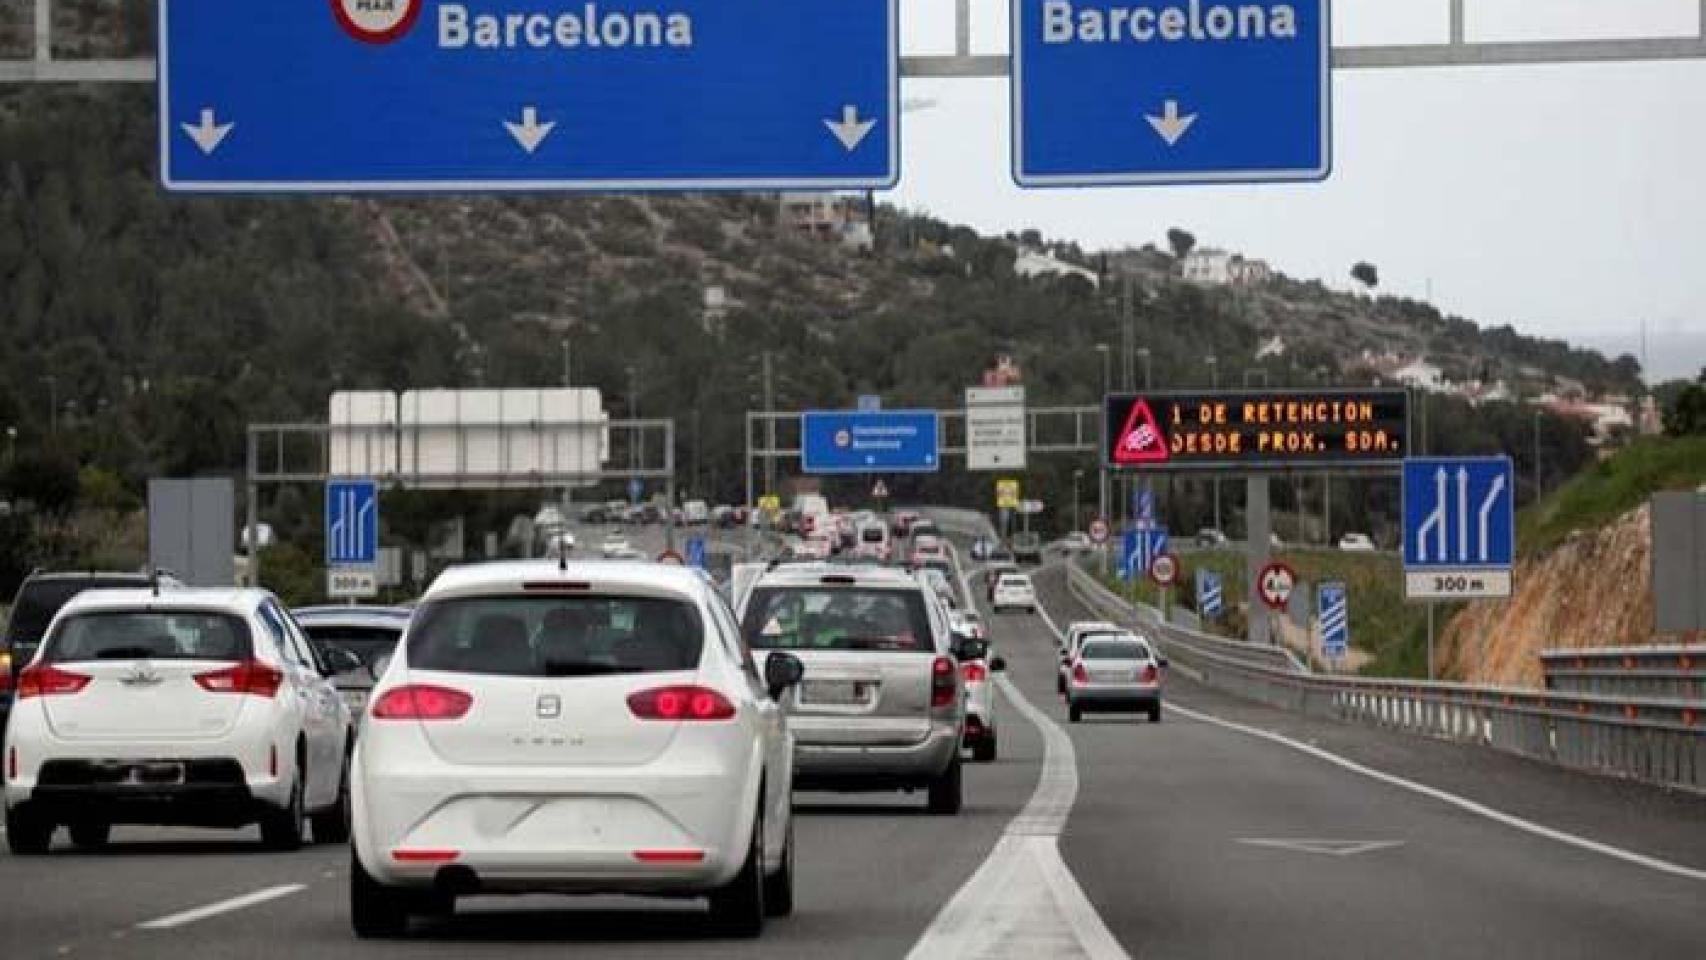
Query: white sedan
{"points": [[1014, 591], [188, 708], [583, 729]]}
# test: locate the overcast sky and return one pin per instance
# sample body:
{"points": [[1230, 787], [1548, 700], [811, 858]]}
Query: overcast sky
{"points": [[1568, 201]]}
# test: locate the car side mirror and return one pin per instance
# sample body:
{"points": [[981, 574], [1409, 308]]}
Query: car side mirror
{"points": [[781, 671], [999, 664]]}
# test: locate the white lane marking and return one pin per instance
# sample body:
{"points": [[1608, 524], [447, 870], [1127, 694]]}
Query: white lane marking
{"points": [[223, 906], [1462, 803], [1023, 902], [1331, 848]]}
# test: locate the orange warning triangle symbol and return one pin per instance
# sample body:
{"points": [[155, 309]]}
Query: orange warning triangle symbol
{"points": [[1141, 440]]}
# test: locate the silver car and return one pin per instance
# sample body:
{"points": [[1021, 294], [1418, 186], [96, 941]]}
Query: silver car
{"points": [[881, 706], [1119, 672], [356, 642]]}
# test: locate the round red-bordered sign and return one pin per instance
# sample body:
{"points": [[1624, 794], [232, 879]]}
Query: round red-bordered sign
{"points": [[1275, 583], [1164, 570], [376, 22], [672, 558]]}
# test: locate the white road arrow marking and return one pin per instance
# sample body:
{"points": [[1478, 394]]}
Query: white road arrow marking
{"points": [[209, 135], [530, 133], [1331, 848], [1170, 125], [851, 130]]}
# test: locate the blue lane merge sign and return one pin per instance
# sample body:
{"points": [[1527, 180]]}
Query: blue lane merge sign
{"points": [[1170, 91], [1459, 527], [431, 95], [352, 523], [896, 441]]}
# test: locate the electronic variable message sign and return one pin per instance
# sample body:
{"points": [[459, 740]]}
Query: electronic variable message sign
{"points": [[1256, 430]]}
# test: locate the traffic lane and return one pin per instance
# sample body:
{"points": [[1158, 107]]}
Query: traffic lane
{"points": [[873, 871], [1667, 824], [71, 898], [1161, 842]]}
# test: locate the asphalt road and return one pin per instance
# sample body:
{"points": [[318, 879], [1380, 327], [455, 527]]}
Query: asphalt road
{"points": [[1186, 837]]}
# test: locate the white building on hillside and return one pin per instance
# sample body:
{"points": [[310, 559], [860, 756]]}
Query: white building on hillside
{"points": [[1035, 263], [1217, 268], [1419, 374]]}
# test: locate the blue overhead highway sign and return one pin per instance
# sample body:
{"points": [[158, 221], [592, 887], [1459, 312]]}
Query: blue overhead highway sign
{"points": [[895, 441], [432, 95], [1459, 527], [1170, 91], [352, 523]]}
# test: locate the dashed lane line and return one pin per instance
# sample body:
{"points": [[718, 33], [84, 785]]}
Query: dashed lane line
{"points": [[223, 906]]}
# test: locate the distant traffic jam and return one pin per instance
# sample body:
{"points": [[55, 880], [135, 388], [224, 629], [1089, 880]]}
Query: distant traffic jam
{"points": [[590, 722]]}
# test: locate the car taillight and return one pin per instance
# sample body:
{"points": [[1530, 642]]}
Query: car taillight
{"points": [[1079, 674], [46, 681], [974, 672], [422, 702], [1148, 675], [251, 677], [5, 671], [681, 703], [942, 686]]}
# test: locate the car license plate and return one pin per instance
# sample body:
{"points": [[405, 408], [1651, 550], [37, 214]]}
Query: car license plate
{"points": [[838, 693]]}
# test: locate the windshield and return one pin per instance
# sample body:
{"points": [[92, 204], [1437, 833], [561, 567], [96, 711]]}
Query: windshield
{"points": [[817, 618], [137, 635], [368, 643], [534, 636]]}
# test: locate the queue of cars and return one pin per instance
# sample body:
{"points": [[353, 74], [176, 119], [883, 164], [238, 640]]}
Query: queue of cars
{"points": [[558, 726]]}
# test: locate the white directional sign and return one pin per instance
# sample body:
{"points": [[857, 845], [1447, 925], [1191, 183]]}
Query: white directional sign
{"points": [[995, 428]]}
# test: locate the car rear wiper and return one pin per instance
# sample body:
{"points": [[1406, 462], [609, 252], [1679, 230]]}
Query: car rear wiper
{"points": [[582, 668]]}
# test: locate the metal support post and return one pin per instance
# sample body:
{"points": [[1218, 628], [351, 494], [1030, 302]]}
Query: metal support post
{"points": [[1258, 523], [669, 485], [251, 526]]}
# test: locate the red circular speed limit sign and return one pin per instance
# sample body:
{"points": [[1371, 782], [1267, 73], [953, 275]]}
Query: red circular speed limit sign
{"points": [[672, 558], [1275, 584], [1164, 570]]}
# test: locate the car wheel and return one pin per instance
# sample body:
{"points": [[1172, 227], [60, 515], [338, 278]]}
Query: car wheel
{"points": [[27, 835], [1074, 713], [1059, 684], [331, 825], [89, 835], [737, 910], [282, 830], [375, 910], [779, 886], [1155, 714], [947, 792], [984, 752]]}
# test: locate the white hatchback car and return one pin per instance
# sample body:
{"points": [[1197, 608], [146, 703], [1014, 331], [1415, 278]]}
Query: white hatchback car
{"points": [[574, 728], [1014, 591], [188, 708]]}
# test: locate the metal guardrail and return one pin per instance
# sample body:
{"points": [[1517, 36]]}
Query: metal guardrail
{"points": [[1117, 609], [1653, 739], [1677, 673]]}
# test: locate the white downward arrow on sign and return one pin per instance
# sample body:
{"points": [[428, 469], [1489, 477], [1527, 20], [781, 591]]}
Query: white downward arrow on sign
{"points": [[851, 130], [530, 133], [1170, 125], [209, 135]]}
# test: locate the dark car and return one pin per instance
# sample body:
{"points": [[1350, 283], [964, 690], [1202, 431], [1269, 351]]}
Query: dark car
{"points": [[39, 598], [356, 641]]}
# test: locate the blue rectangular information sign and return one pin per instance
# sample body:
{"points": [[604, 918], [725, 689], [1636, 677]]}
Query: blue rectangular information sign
{"points": [[894, 441]]}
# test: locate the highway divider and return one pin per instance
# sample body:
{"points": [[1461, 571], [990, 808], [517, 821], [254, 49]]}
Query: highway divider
{"points": [[1660, 740]]}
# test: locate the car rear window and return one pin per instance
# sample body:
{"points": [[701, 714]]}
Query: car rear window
{"points": [[873, 535], [1015, 582], [149, 635], [370, 643], [837, 618], [1099, 649], [39, 600], [533, 636]]}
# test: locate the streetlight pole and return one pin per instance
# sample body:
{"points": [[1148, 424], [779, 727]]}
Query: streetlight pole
{"points": [[769, 426], [1214, 382], [634, 414], [1102, 469], [1077, 475]]}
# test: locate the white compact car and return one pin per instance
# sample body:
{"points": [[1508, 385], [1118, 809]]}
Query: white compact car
{"points": [[189, 708], [1014, 591], [573, 728]]}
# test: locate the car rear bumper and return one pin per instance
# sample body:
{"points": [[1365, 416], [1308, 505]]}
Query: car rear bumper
{"points": [[855, 767], [208, 791], [1110, 697]]}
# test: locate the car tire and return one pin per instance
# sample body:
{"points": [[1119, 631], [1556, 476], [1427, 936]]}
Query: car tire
{"points": [[331, 825], [1074, 713], [282, 829], [1155, 714], [737, 909], [90, 835], [27, 835], [984, 751], [376, 911], [1060, 684], [947, 792], [779, 886]]}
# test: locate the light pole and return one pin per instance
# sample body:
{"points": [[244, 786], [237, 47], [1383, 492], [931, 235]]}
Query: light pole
{"points": [[1107, 388], [1214, 382], [1077, 475], [634, 414], [567, 379], [769, 427]]}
